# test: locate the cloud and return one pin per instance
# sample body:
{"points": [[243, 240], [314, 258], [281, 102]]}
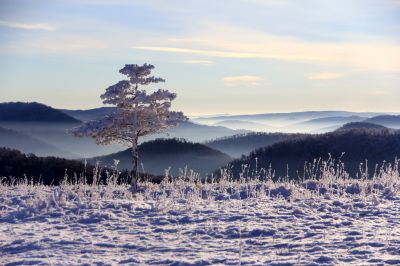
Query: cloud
{"points": [[325, 76], [366, 53], [199, 62], [241, 80], [227, 54], [27, 26]]}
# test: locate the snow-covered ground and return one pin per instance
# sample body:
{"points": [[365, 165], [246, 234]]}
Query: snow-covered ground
{"points": [[249, 222]]}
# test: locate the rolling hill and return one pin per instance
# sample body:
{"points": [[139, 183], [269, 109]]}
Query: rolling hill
{"points": [[55, 134], [243, 144], [89, 114], [196, 132], [374, 145], [49, 170], [322, 125], [50, 126], [43, 124], [42, 130], [160, 154], [188, 130], [360, 125], [392, 121], [27, 144], [33, 112]]}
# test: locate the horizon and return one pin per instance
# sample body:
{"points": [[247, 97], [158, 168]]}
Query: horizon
{"points": [[220, 115], [247, 57]]}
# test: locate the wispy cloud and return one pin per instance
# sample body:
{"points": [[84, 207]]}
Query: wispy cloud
{"points": [[227, 54], [199, 62], [241, 80], [373, 53], [27, 26], [325, 76]]}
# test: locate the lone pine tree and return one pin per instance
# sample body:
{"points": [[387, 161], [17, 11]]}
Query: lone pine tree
{"points": [[137, 113]]}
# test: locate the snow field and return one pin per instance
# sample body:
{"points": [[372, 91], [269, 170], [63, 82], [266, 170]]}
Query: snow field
{"points": [[330, 221]]}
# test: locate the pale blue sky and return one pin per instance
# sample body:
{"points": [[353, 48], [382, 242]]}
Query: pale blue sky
{"points": [[237, 56]]}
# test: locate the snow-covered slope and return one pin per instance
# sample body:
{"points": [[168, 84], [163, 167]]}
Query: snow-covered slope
{"points": [[331, 221]]}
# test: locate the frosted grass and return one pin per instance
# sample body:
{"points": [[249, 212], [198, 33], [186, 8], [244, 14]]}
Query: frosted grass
{"points": [[191, 221]]}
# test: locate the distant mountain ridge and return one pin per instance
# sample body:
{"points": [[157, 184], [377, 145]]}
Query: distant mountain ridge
{"points": [[32, 112], [306, 115], [295, 122]]}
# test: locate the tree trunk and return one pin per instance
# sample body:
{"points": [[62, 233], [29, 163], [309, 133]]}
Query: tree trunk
{"points": [[135, 152], [135, 169]]}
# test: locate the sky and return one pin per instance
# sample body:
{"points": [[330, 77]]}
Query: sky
{"points": [[220, 57]]}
